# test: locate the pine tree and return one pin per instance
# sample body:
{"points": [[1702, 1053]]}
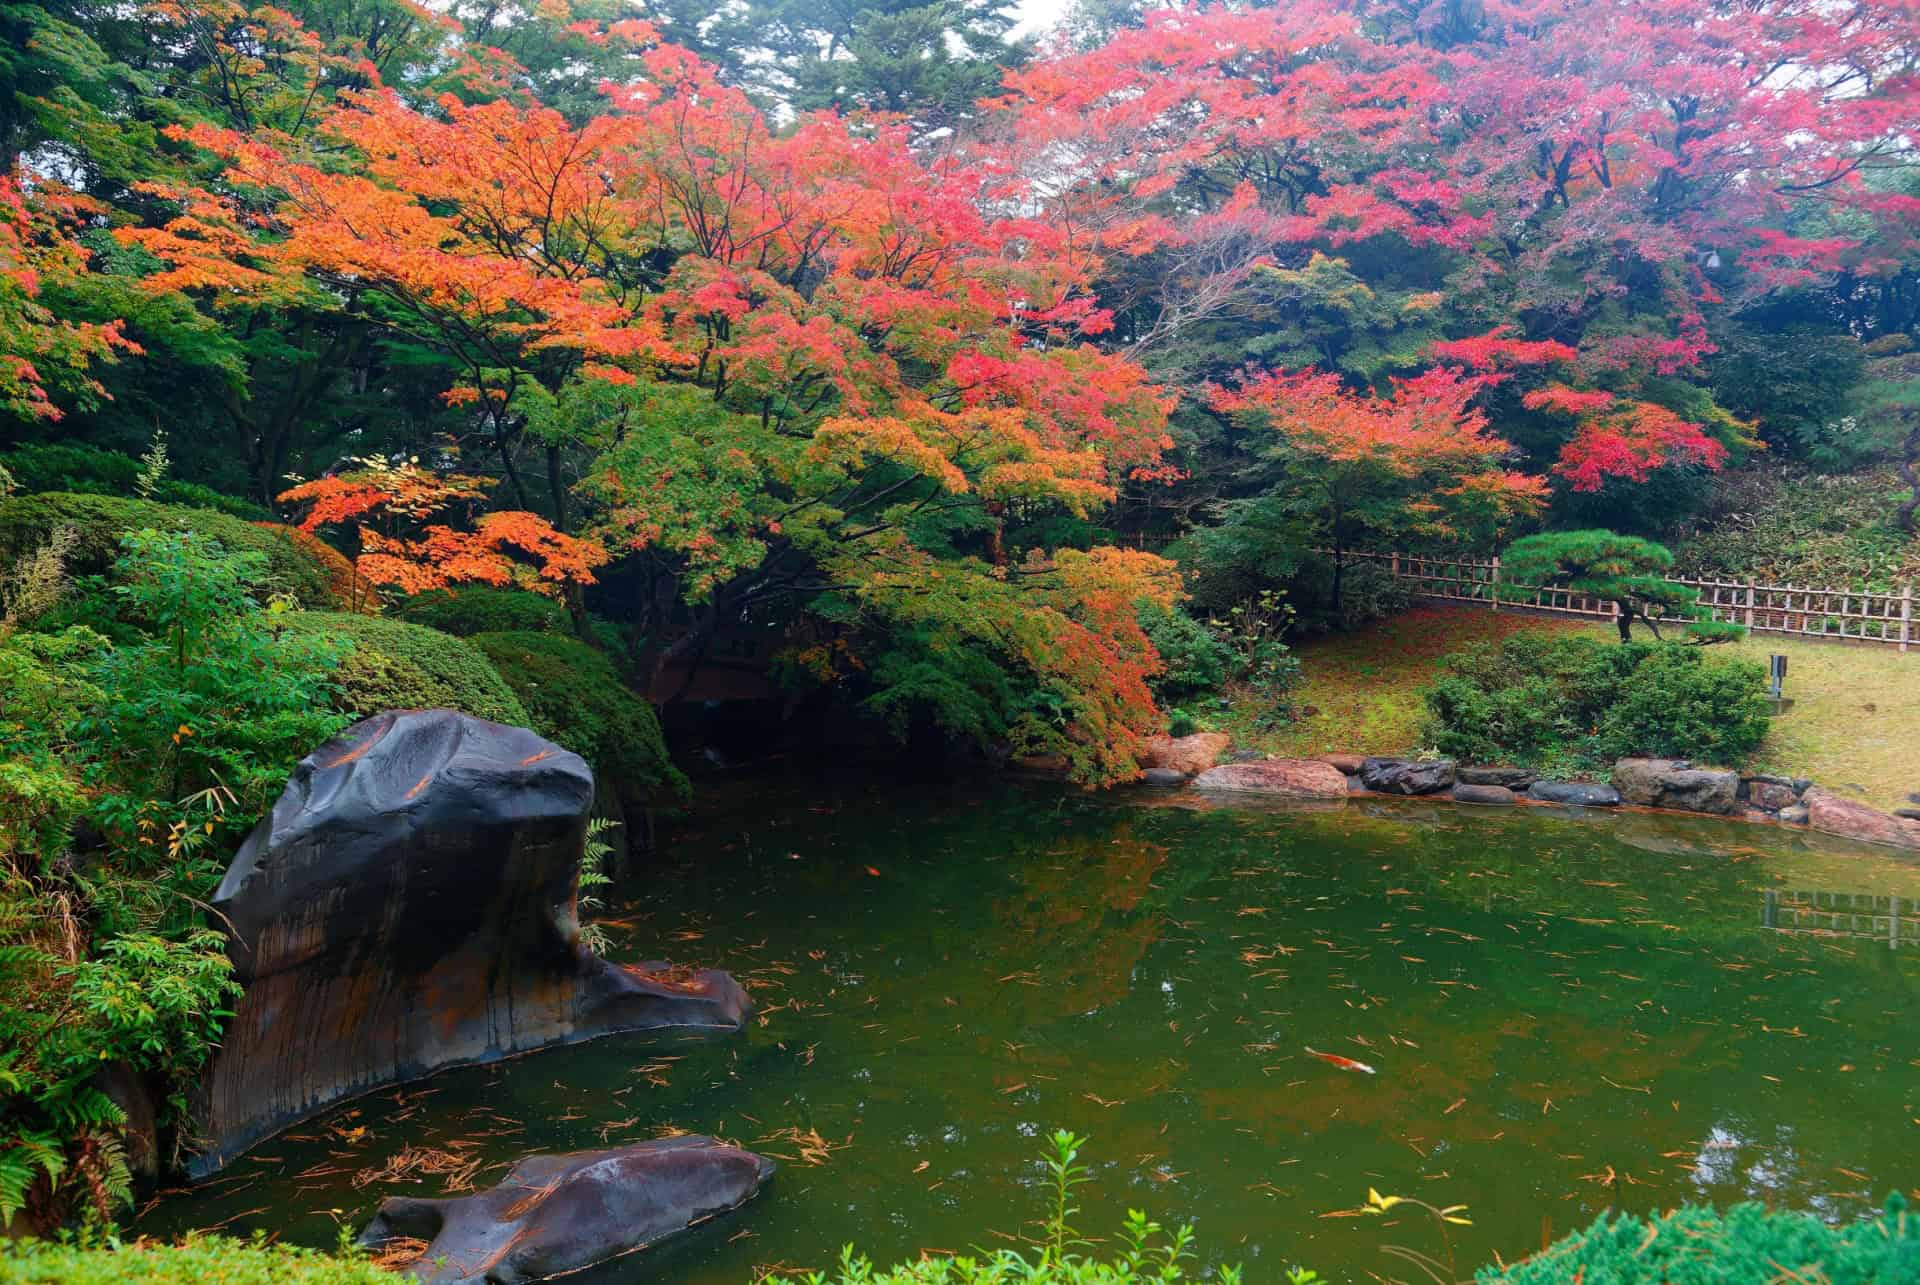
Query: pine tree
{"points": [[1622, 569]]}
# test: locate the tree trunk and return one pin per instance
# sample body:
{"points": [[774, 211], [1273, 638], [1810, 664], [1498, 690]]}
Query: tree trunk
{"points": [[1339, 578], [573, 594], [1625, 621], [1909, 468]]}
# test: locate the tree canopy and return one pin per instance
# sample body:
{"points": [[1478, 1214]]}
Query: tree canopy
{"points": [[867, 327]]}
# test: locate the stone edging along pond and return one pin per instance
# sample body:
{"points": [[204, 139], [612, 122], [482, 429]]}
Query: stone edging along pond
{"points": [[1669, 785]]}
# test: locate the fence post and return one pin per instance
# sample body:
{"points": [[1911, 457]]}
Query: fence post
{"points": [[1749, 606], [1396, 565], [1906, 615], [1494, 584]]}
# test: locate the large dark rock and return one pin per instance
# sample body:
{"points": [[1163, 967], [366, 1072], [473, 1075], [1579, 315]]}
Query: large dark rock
{"points": [[1578, 793], [1512, 778], [558, 1214], [1407, 776], [1490, 794], [408, 905], [1665, 783]]}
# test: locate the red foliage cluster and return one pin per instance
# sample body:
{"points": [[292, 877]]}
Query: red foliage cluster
{"points": [[415, 554]]}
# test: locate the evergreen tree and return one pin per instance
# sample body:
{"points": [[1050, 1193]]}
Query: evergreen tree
{"points": [[1622, 569]]}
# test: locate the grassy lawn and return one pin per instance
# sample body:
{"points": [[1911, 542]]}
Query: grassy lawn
{"points": [[1855, 718]]}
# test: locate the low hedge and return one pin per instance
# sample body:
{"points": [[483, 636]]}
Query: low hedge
{"points": [[100, 520], [483, 609], [1562, 702], [88, 470], [1693, 1245], [193, 1261], [395, 665], [576, 698]]}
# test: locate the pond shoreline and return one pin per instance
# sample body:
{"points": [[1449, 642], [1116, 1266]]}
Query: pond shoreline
{"points": [[1203, 762]]}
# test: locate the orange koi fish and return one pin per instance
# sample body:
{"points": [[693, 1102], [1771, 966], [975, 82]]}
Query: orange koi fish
{"points": [[1344, 1063]]}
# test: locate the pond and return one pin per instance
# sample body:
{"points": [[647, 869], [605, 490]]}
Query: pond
{"points": [[1563, 1013]]}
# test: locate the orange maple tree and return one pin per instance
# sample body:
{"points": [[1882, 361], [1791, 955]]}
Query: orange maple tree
{"points": [[1361, 467], [416, 552], [783, 364], [43, 355]]}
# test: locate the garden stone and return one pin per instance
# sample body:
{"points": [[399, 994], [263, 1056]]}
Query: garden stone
{"points": [[408, 905], [556, 1214], [1163, 776], [1348, 763], [1831, 814], [1677, 784], [1407, 776], [1185, 754], [1578, 793], [1772, 797], [1245, 756], [1512, 778], [1911, 814], [1469, 793], [1298, 778], [1795, 815]]}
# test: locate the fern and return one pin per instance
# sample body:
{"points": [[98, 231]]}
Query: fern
{"points": [[28, 1157], [593, 874]]}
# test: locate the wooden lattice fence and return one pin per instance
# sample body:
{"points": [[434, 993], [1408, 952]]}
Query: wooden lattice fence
{"points": [[1854, 614]]}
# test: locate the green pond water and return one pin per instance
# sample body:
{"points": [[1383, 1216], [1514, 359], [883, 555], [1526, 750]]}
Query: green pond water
{"points": [[1565, 1013]]}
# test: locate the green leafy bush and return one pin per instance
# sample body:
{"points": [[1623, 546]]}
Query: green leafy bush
{"points": [[167, 744], [208, 702], [1681, 704], [575, 697], [191, 1262], [483, 609], [1564, 703], [26, 522], [391, 664], [1196, 660], [1254, 633], [1697, 1246]]}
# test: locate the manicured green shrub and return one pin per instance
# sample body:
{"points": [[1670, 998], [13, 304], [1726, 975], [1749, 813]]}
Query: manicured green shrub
{"points": [[575, 697], [483, 609], [1562, 702], [1748, 1243], [26, 521], [191, 1262], [1195, 659], [1681, 703], [391, 664]]}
